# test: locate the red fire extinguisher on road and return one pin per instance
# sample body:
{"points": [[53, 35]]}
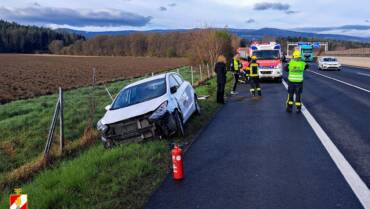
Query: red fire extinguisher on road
{"points": [[177, 163]]}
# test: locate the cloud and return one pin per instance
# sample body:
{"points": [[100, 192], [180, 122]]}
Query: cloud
{"points": [[162, 9], [172, 5], [73, 17], [269, 5], [367, 20], [290, 12], [251, 20]]}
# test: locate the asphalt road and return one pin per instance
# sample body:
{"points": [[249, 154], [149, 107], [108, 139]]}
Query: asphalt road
{"points": [[343, 111], [255, 155]]}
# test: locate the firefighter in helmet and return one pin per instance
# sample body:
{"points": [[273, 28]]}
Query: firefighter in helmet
{"points": [[295, 68], [254, 77]]}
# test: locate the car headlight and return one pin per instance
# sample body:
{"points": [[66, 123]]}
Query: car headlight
{"points": [[160, 111], [102, 127], [279, 66]]}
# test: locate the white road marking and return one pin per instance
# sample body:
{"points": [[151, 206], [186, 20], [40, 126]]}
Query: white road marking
{"points": [[365, 74], [360, 189], [343, 82]]}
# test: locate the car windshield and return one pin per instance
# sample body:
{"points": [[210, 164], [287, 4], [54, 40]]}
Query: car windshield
{"points": [[267, 54], [330, 59], [140, 93]]}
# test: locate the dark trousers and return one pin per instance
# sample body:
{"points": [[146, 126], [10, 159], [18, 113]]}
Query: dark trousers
{"points": [[255, 85], [236, 79], [220, 92], [295, 89]]}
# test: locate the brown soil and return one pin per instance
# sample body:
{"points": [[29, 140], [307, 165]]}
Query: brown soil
{"points": [[26, 76]]}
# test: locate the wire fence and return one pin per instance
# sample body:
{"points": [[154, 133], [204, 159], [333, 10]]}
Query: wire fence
{"points": [[360, 52], [29, 126]]}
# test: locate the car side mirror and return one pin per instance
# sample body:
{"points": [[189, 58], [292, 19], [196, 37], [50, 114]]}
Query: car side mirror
{"points": [[108, 107], [173, 89]]}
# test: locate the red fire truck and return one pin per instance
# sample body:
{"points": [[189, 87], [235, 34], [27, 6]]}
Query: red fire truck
{"points": [[268, 57]]}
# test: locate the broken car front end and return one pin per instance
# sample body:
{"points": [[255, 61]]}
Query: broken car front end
{"points": [[159, 123]]}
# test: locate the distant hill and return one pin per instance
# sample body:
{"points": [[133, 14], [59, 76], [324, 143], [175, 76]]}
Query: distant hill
{"points": [[16, 38], [351, 30], [260, 33], [246, 33], [89, 34]]}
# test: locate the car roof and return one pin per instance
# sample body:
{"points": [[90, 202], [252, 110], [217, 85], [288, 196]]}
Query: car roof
{"points": [[155, 77]]}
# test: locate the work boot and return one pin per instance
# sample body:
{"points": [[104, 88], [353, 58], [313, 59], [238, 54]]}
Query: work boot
{"points": [[289, 108], [233, 92], [253, 93], [298, 106]]}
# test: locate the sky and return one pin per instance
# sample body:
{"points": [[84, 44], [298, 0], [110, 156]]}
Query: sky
{"points": [[103, 15]]}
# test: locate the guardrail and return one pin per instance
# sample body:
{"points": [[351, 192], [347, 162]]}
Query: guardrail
{"points": [[360, 52]]}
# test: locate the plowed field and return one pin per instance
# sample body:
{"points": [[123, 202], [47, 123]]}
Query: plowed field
{"points": [[26, 76]]}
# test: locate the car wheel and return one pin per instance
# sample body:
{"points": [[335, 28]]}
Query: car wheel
{"points": [[279, 80], [338, 69], [179, 125], [197, 106], [109, 144]]}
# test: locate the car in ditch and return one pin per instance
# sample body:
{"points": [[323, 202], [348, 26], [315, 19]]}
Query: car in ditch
{"points": [[328, 63], [155, 106]]}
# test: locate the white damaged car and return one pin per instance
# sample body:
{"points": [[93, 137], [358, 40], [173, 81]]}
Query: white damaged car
{"points": [[155, 106]]}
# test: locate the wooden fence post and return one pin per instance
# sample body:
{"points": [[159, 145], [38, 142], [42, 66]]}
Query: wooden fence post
{"points": [[200, 72], [192, 75], [208, 76]]}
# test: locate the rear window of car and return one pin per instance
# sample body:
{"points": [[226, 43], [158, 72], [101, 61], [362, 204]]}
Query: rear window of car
{"points": [[330, 59], [140, 93]]}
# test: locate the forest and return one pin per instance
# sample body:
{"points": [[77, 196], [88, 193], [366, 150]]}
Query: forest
{"points": [[16, 38], [202, 45]]}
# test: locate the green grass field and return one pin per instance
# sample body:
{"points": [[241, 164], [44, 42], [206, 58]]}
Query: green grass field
{"points": [[95, 178], [24, 124]]}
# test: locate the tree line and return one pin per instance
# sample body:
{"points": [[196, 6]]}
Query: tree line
{"points": [[16, 38], [201, 46]]}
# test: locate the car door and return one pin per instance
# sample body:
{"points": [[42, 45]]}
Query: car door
{"points": [[186, 98], [177, 95], [180, 96]]}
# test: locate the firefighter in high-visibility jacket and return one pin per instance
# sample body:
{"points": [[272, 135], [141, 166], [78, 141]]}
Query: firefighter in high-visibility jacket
{"points": [[295, 68], [254, 79], [235, 67]]}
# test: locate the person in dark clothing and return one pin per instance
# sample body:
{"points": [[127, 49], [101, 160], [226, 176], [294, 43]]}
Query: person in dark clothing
{"points": [[236, 67], [254, 77], [220, 70]]}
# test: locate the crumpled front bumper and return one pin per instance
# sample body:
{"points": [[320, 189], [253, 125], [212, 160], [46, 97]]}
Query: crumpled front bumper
{"points": [[139, 127], [142, 127]]}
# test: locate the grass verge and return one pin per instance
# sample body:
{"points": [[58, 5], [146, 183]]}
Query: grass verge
{"points": [[123, 177], [24, 124]]}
